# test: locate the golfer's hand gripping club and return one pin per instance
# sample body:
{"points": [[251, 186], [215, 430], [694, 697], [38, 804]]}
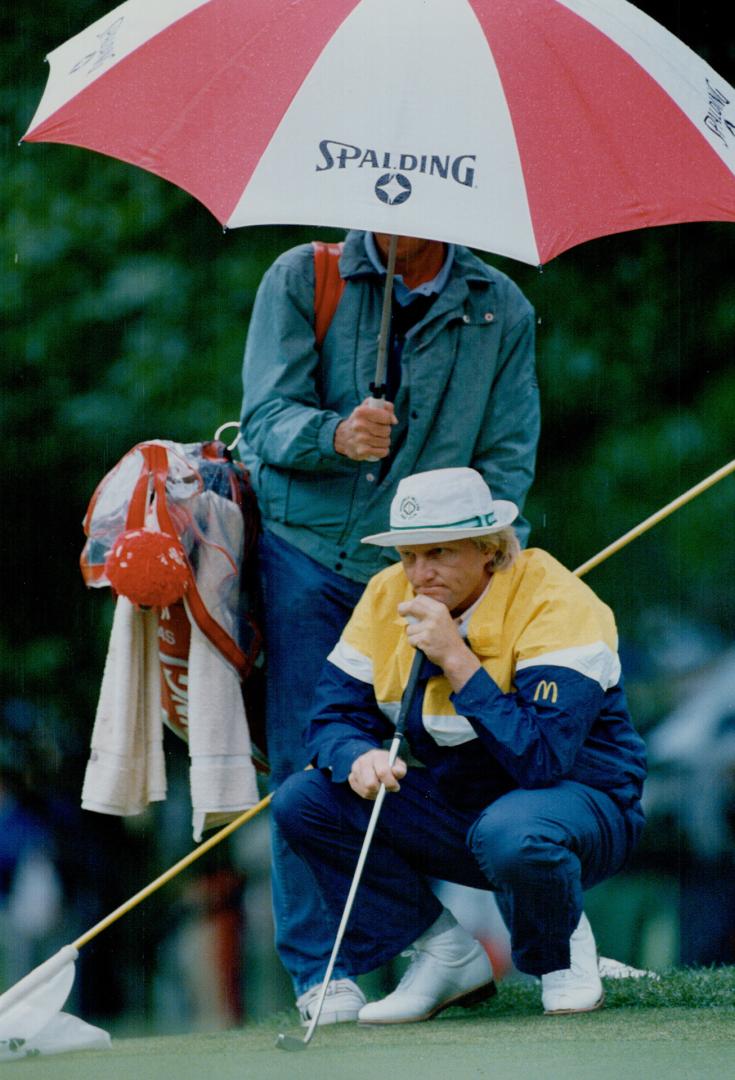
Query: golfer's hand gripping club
{"points": [[288, 1042]]}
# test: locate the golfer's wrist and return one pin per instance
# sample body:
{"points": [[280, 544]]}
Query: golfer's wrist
{"points": [[459, 666]]}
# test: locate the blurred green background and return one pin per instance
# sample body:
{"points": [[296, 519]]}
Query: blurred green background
{"points": [[124, 315]]}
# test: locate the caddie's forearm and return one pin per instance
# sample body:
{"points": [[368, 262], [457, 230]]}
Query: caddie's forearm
{"points": [[290, 435], [283, 420]]}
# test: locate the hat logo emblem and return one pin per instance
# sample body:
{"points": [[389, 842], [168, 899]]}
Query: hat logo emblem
{"points": [[408, 507]]}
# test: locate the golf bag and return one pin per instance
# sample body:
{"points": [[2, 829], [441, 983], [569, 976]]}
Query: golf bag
{"points": [[174, 527]]}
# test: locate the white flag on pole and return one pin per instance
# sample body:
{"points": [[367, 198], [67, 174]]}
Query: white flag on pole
{"points": [[30, 1018]]}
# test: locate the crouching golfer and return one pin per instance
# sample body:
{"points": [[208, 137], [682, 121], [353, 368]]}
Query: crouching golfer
{"points": [[529, 771]]}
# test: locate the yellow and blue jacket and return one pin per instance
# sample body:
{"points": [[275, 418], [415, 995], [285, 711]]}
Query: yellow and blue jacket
{"points": [[547, 704]]}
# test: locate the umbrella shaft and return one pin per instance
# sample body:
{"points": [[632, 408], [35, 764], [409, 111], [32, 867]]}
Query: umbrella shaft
{"points": [[380, 366]]}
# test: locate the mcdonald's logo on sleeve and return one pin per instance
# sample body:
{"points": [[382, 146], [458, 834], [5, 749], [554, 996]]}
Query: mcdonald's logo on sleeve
{"points": [[546, 690]]}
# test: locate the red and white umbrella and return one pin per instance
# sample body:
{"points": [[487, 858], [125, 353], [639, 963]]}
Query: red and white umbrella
{"points": [[521, 127]]}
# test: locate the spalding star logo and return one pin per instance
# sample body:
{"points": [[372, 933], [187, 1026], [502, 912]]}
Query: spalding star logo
{"points": [[393, 188]]}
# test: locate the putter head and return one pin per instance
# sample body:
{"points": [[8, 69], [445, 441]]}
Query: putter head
{"points": [[288, 1042]]}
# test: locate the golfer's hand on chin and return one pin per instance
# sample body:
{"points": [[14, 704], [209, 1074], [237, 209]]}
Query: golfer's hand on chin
{"points": [[371, 770], [433, 630]]}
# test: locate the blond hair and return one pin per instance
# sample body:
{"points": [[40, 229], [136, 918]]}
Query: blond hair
{"points": [[504, 543]]}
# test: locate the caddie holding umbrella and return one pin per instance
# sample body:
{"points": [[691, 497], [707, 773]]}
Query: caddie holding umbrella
{"points": [[459, 388], [530, 770]]}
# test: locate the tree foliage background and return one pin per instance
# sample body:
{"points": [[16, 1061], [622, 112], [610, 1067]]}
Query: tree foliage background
{"points": [[124, 314]]}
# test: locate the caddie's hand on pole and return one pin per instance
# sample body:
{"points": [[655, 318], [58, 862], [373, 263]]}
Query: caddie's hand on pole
{"points": [[374, 768], [365, 434]]}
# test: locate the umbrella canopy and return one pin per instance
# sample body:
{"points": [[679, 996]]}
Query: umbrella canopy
{"points": [[522, 127]]}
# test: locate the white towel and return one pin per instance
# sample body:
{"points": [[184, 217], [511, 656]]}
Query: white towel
{"points": [[222, 775], [126, 768]]}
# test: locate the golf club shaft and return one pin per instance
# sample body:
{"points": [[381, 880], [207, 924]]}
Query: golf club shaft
{"points": [[353, 890], [392, 755]]}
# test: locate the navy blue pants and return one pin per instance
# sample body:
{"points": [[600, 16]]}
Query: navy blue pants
{"points": [[306, 607], [538, 850]]}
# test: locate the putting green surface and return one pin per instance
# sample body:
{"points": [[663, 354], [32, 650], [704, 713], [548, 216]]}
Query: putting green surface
{"points": [[671, 1043], [679, 1028]]}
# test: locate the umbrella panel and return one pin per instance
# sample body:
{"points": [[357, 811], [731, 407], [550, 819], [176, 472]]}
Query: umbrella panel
{"points": [[546, 123]]}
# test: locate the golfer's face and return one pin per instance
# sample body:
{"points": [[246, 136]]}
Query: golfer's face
{"points": [[454, 573]]}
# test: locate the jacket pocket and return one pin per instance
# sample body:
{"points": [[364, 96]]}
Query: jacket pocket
{"points": [[319, 501], [273, 492]]}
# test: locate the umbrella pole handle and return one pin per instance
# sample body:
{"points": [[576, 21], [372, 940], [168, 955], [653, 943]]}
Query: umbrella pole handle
{"points": [[664, 512], [375, 403], [378, 387]]}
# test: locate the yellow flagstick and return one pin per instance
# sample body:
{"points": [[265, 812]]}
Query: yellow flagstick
{"points": [[655, 518], [203, 848]]}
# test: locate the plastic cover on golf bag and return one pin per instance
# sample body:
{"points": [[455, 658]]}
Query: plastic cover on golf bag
{"points": [[191, 659], [198, 493]]}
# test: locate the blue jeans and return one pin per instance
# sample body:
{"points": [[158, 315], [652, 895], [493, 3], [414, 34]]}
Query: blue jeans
{"points": [[537, 849], [305, 609]]}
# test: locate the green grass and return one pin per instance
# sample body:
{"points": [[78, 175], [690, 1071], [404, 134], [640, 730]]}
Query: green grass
{"points": [[692, 988], [679, 1028]]}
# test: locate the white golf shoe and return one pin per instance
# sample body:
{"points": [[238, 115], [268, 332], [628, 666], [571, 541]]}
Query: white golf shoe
{"points": [[577, 988], [448, 967], [342, 1002]]}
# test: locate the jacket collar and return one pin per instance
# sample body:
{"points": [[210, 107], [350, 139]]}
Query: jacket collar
{"points": [[465, 292], [354, 262], [485, 628]]}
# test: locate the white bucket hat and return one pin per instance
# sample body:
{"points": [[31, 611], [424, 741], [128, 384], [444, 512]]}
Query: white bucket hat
{"points": [[443, 504]]}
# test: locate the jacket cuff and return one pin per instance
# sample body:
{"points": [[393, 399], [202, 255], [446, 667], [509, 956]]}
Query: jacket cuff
{"points": [[339, 760], [325, 439]]}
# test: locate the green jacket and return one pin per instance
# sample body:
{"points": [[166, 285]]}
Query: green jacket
{"points": [[468, 396]]}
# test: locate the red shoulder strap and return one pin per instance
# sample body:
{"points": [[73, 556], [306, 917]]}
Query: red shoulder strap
{"points": [[155, 459], [328, 286]]}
